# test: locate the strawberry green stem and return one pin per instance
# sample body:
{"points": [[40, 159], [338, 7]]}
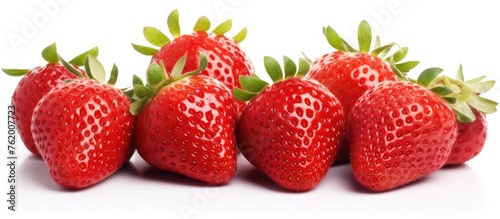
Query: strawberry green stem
{"points": [[252, 85], [223, 28], [462, 96], [240, 36], [51, 55], [173, 23], [159, 39], [203, 24], [364, 37], [177, 77], [155, 36], [70, 67], [365, 43], [157, 78], [15, 72]]}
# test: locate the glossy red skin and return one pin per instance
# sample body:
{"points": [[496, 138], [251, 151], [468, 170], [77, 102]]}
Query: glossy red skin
{"points": [[226, 60], [291, 132], [400, 132], [31, 88], [470, 140], [348, 76], [83, 131], [189, 128]]}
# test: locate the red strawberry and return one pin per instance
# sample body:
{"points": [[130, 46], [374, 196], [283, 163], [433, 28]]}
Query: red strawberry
{"points": [[472, 128], [348, 72], [83, 129], [290, 130], [402, 131], [470, 140], [226, 59], [36, 83], [186, 124]]}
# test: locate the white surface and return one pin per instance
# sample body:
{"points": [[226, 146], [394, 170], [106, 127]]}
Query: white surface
{"points": [[442, 34]]}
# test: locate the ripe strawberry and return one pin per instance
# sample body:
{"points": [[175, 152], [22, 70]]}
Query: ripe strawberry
{"points": [[470, 140], [472, 127], [402, 131], [348, 72], [290, 130], [186, 123], [36, 83], [83, 129], [226, 59]]}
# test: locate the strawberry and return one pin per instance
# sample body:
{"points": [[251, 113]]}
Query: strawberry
{"points": [[472, 126], [83, 129], [403, 131], [290, 130], [186, 123], [36, 83], [349, 72], [470, 140], [226, 60], [400, 132]]}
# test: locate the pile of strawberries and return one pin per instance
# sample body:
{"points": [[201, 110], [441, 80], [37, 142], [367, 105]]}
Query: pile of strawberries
{"points": [[201, 104]]}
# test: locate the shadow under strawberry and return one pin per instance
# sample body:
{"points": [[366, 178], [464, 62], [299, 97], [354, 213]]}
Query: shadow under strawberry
{"points": [[453, 167], [256, 177], [145, 171], [34, 170], [358, 188]]}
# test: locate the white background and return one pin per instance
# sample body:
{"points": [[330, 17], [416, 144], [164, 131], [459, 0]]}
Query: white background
{"points": [[442, 34]]}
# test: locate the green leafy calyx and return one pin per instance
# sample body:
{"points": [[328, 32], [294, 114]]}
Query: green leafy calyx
{"points": [[51, 55], [365, 43], [94, 69], [159, 39], [15, 72], [462, 96], [80, 59], [252, 85], [157, 77]]}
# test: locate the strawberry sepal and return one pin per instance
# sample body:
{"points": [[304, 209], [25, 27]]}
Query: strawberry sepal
{"points": [[157, 77], [15, 72], [51, 56], [365, 43], [159, 39], [253, 85], [460, 95]]}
